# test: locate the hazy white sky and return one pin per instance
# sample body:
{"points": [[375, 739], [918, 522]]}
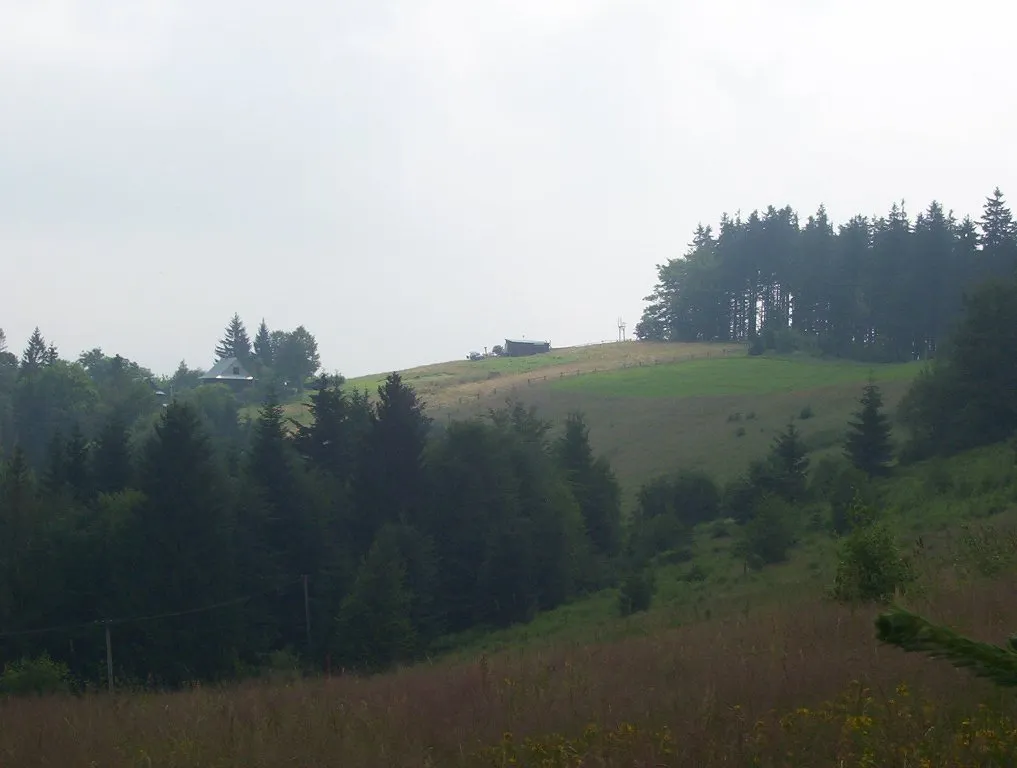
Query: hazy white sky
{"points": [[414, 179]]}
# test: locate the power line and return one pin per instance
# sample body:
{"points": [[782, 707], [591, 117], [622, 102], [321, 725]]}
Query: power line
{"points": [[151, 617], [47, 630]]}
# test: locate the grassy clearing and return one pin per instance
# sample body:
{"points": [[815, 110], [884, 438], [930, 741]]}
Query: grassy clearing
{"points": [[798, 685], [733, 376], [645, 436], [450, 384], [654, 408]]}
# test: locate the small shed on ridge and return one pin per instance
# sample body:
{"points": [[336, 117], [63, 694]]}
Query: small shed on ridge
{"points": [[523, 347]]}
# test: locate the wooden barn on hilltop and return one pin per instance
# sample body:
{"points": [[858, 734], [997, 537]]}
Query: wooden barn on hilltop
{"points": [[524, 347]]}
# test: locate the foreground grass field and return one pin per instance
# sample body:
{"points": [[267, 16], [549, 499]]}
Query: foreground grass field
{"points": [[799, 685], [654, 408]]}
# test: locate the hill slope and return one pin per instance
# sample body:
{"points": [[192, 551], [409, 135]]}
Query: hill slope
{"points": [[654, 407]]}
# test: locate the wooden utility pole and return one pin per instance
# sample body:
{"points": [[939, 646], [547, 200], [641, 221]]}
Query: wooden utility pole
{"points": [[109, 658], [307, 615]]}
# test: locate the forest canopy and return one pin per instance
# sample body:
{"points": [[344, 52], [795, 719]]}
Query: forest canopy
{"points": [[886, 288]]}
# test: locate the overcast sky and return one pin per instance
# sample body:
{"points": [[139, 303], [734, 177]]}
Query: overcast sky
{"points": [[415, 179]]}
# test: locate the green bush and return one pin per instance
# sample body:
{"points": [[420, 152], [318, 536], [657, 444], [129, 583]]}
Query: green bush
{"points": [[938, 479], [636, 593], [870, 567], [806, 413], [839, 483], [986, 550], [769, 535], [281, 666], [36, 676], [695, 574], [673, 556]]}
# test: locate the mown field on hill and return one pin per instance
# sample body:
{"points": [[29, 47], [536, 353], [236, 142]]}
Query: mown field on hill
{"points": [[653, 408]]}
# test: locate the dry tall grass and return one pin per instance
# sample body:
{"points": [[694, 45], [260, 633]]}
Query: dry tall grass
{"points": [[745, 691]]}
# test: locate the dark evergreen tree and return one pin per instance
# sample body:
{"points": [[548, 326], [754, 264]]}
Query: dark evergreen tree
{"points": [[182, 553], [184, 379], [111, 458], [35, 354], [327, 442], [968, 397], [789, 464], [507, 587], [593, 485], [55, 477], [263, 351], [999, 237], [235, 342], [271, 469], [868, 444], [389, 484], [77, 459], [373, 626], [293, 525], [769, 535], [19, 517]]}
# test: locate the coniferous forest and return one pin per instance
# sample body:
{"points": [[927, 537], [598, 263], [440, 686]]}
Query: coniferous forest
{"points": [[209, 543], [885, 288], [206, 543]]}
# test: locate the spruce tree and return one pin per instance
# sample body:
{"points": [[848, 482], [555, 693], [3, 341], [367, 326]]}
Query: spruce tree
{"points": [[263, 351], [593, 486], [235, 342], [373, 628], [111, 458], [999, 236], [54, 478], [77, 471], [326, 442], [789, 464], [868, 444], [18, 520], [182, 549], [35, 353], [294, 529], [389, 483]]}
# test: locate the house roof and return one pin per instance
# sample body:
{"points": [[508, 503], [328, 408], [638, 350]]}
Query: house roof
{"points": [[525, 341], [224, 370]]}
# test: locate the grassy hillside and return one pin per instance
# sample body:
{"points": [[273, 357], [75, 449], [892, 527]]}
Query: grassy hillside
{"points": [[936, 500], [653, 408]]}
